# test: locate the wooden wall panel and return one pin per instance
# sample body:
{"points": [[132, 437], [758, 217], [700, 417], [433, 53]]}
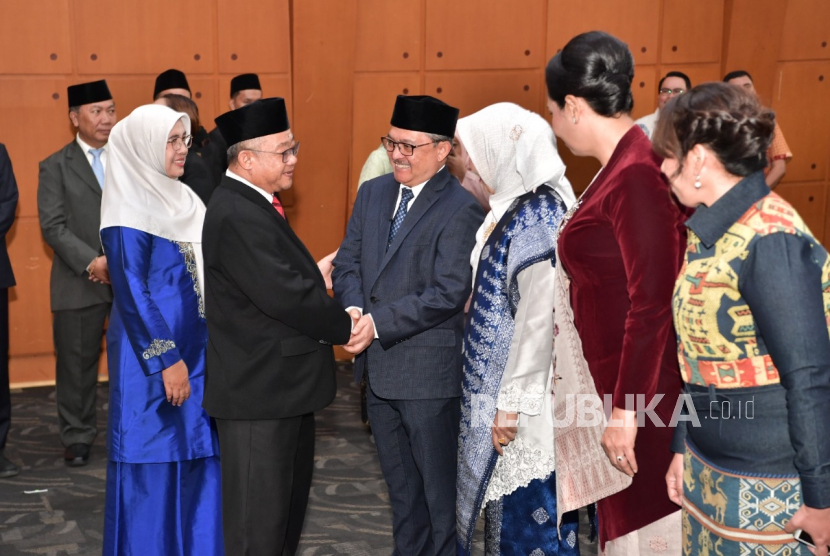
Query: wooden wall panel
{"points": [[803, 112], [34, 123], [30, 317], [381, 44], [754, 41], [637, 23], [806, 34], [485, 34], [254, 36], [47, 46], [692, 31], [127, 37], [324, 46], [580, 169], [644, 90], [373, 102], [472, 91], [810, 200]]}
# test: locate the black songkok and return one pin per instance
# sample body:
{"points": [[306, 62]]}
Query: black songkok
{"points": [[244, 82], [87, 93], [258, 119], [170, 79], [426, 114]]}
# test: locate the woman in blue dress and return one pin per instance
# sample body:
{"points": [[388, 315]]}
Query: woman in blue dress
{"points": [[163, 481]]}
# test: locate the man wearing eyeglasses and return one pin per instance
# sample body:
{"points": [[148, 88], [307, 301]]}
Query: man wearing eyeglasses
{"points": [[271, 324], [404, 269], [672, 84], [69, 206]]}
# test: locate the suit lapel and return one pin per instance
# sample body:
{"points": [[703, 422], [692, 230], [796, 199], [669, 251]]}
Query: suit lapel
{"points": [[282, 223], [80, 165], [430, 194]]}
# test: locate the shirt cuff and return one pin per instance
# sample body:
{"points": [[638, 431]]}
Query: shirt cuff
{"points": [[815, 491], [375, 328]]}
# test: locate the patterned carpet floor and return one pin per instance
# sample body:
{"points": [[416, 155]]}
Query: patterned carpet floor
{"points": [[53, 510]]}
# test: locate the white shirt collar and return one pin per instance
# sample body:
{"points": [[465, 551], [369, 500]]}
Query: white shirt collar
{"points": [[84, 146], [268, 196]]}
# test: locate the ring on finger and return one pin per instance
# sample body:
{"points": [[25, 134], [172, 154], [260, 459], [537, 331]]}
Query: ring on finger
{"points": [[620, 458], [503, 441]]}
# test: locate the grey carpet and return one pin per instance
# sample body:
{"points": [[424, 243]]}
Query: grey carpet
{"points": [[50, 509]]}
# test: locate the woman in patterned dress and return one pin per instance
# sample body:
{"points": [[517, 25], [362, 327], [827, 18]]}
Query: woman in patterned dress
{"points": [[506, 458], [751, 309], [163, 482]]}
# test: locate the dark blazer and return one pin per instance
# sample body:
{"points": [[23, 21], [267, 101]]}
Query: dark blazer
{"points": [[270, 320], [217, 157], [198, 177], [69, 207], [8, 205], [416, 290]]}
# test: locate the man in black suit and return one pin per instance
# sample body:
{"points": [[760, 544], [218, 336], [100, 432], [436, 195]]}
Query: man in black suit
{"points": [[405, 264], [174, 82], [271, 323], [8, 204], [69, 206]]}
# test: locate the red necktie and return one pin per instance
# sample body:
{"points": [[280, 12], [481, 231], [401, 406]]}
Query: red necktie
{"points": [[278, 206]]}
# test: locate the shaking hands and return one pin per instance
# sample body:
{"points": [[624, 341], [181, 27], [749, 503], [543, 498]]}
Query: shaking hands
{"points": [[363, 332]]}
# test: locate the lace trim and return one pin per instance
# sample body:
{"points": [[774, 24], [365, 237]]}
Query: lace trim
{"points": [[158, 347], [520, 464], [186, 249], [514, 399]]}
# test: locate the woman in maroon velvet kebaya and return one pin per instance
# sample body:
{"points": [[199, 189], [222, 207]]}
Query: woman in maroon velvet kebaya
{"points": [[621, 245]]}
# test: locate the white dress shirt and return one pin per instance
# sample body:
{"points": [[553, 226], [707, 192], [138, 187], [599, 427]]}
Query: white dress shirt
{"points": [[86, 148]]}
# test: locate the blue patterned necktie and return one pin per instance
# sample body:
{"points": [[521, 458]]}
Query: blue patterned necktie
{"points": [[97, 167], [400, 214]]}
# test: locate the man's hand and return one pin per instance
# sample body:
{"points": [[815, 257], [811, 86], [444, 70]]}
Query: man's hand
{"points": [[99, 271], [326, 267], [674, 480], [816, 523], [355, 314], [362, 335]]}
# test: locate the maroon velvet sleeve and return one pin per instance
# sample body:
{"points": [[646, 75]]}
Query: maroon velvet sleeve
{"points": [[645, 224]]}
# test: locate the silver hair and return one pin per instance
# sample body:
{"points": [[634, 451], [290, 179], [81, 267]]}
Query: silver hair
{"points": [[234, 150]]}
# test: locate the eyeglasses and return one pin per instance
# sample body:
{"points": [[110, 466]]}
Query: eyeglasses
{"points": [[177, 142], [286, 154], [405, 148], [666, 91]]}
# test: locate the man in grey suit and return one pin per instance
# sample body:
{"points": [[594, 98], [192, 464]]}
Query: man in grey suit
{"points": [[405, 265], [69, 207]]}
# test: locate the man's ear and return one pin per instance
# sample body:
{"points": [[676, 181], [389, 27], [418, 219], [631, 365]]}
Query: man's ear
{"points": [[443, 149], [73, 117]]}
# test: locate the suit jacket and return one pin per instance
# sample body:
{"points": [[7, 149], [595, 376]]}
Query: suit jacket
{"points": [[416, 290], [270, 320], [217, 157], [8, 205], [198, 177], [69, 207]]}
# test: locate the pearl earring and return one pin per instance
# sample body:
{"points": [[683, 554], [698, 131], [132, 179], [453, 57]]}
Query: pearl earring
{"points": [[574, 120], [697, 182]]}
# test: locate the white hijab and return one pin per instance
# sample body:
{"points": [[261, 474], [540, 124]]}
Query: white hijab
{"points": [[514, 151], [138, 193]]}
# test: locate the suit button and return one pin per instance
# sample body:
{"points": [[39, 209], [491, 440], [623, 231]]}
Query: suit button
{"points": [[374, 299]]}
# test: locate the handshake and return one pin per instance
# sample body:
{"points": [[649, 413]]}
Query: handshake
{"points": [[363, 327]]}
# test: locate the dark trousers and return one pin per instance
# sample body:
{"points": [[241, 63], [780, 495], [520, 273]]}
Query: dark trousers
{"points": [[77, 336], [5, 397], [417, 444], [266, 477]]}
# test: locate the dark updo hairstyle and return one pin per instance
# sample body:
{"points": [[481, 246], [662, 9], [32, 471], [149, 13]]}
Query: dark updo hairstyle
{"points": [[596, 67], [724, 118]]}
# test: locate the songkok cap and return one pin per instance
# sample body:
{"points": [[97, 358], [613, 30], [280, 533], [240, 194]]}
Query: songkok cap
{"points": [[170, 79], [87, 93], [426, 114], [258, 119], [244, 82]]}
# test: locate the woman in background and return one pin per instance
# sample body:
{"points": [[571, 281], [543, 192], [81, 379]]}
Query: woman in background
{"points": [[163, 481], [506, 456], [621, 246], [751, 311]]}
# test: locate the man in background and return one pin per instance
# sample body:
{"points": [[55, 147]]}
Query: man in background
{"points": [[8, 205], [671, 85], [69, 206], [245, 89], [174, 82], [778, 153]]}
